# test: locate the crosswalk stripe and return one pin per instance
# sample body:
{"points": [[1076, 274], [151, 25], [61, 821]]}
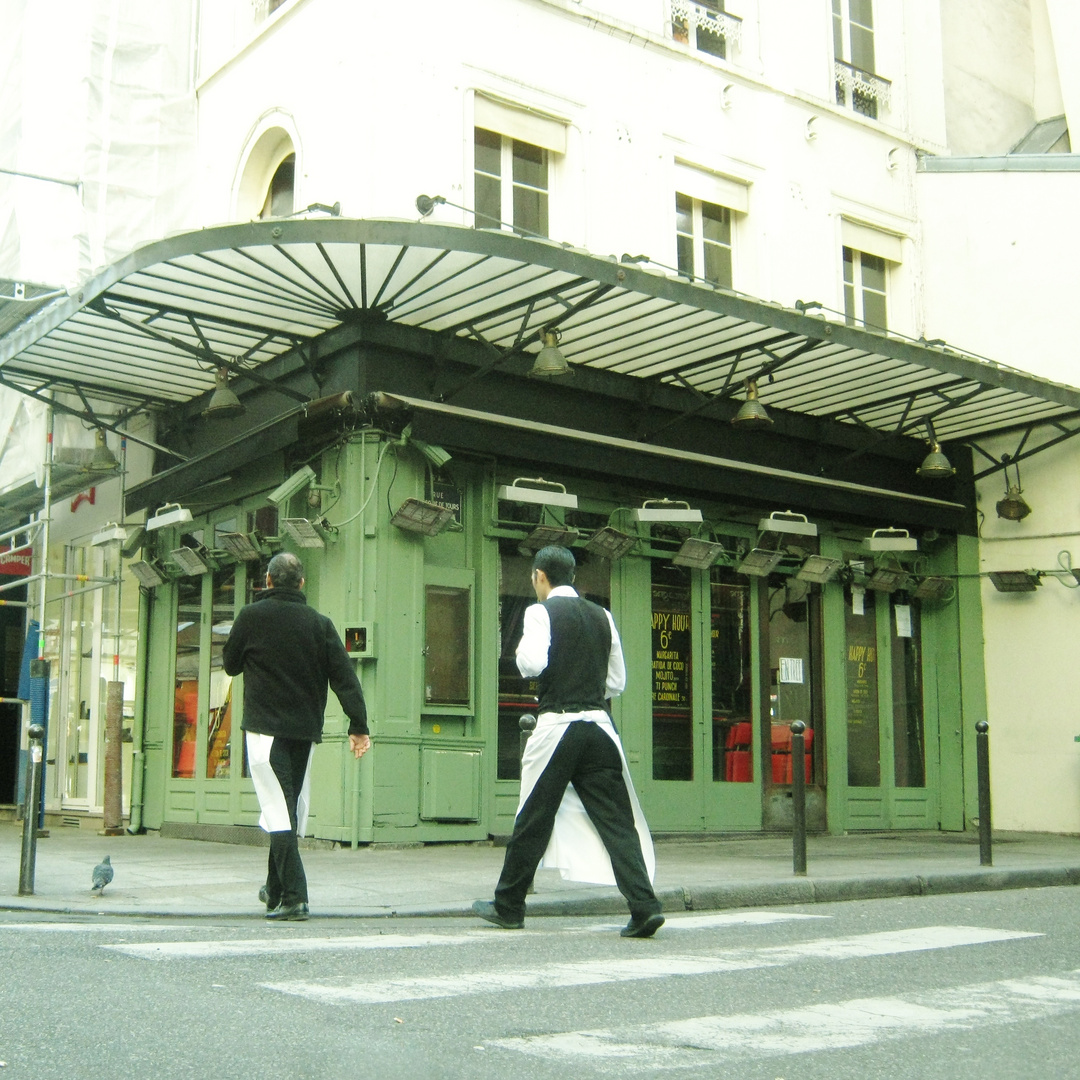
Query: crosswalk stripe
{"points": [[92, 928], [592, 972], [721, 921], [210, 950], [711, 1041]]}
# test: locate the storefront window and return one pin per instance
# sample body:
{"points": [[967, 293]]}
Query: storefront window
{"points": [[732, 754], [791, 667], [79, 622], [219, 731], [446, 645], [672, 720], [863, 738], [186, 698], [909, 750]]}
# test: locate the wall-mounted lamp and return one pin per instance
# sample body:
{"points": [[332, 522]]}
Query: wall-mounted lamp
{"points": [[888, 579], [1015, 580], [610, 543], [189, 560], [537, 490], [697, 554], [549, 536], [751, 413], [788, 522], [148, 573], [223, 402], [426, 203], [169, 514], [891, 540], [306, 533], [819, 568], [111, 533], [1012, 507], [760, 562], [417, 515], [550, 362], [243, 546], [671, 511], [935, 588]]}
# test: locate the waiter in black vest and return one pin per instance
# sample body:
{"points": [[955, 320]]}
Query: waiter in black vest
{"points": [[594, 831]]}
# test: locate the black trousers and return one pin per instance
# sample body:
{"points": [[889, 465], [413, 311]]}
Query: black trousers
{"points": [[285, 878], [587, 758]]}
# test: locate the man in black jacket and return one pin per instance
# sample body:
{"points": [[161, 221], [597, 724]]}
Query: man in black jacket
{"points": [[572, 647], [289, 653]]}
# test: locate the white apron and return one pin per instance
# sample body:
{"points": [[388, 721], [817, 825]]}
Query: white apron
{"points": [[275, 814], [575, 848]]}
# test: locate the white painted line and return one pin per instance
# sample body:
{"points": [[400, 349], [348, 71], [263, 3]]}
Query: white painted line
{"points": [[210, 950], [720, 921], [710, 1042], [592, 972], [93, 928]]}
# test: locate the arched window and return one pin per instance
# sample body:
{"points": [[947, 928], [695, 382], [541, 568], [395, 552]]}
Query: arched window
{"points": [[279, 195]]}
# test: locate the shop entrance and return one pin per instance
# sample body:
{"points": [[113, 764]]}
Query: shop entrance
{"points": [[892, 773]]}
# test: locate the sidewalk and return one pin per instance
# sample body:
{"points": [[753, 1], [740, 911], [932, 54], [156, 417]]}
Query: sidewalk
{"points": [[178, 878]]}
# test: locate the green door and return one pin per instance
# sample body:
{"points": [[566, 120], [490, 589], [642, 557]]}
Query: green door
{"points": [[891, 737]]}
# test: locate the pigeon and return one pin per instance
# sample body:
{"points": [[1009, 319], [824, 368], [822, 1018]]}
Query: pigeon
{"points": [[103, 874]]}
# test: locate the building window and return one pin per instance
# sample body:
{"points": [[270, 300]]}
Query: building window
{"points": [[279, 195], [865, 289], [857, 86], [510, 183], [705, 26], [703, 237]]}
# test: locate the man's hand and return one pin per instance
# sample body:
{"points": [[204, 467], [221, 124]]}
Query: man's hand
{"points": [[359, 744]]}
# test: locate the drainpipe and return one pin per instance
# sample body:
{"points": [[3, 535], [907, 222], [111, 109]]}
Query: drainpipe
{"points": [[138, 723]]}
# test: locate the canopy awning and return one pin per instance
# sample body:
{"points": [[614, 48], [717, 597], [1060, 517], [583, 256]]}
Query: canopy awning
{"points": [[151, 330]]}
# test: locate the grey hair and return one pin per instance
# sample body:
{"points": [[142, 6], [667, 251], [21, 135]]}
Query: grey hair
{"points": [[286, 571]]}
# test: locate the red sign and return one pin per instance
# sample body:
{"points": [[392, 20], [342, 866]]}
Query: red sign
{"points": [[17, 562]]}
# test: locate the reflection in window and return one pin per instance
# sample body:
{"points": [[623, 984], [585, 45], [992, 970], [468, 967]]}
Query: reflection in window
{"points": [[279, 196], [732, 750], [791, 667], [510, 183], [219, 731], [446, 645], [864, 289], [909, 750], [703, 239], [186, 692], [863, 738], [672, 717]]}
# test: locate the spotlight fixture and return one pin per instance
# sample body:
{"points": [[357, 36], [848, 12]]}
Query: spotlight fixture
{"points": [[788, 522], [189, 560], [102, 460], [242, 545], [751, 413], [610, 543], [819, 568], [416, 515], [1015, 580], [697, 554], [934, 588], [672, 511], [760, 562], [550, 362], [1012, 507], [109, 534], [935, 466], [169, 514], [549, 535], [544, 492], [149, 573], [223, 401], [888, 579], [426, 203], [891, 540], [436, 455], [303, 532]]}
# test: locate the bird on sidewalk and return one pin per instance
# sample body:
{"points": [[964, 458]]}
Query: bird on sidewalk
{"points": [[103, 874]]}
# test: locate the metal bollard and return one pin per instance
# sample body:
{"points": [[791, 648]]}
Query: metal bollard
{"points": [[30, 811], [982, 759], [527, 724], [798, 796]]}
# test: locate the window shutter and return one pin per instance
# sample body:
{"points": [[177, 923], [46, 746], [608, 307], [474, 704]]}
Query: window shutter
{"points": [[527, 125], [712, 187], [885, 245]]}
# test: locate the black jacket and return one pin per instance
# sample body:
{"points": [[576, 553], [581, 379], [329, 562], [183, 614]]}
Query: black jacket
{"points": [[289, 653]]}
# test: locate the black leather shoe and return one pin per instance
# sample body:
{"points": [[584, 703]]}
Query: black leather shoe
{"points": [[486, 910], [645, 926], [289, 913]]}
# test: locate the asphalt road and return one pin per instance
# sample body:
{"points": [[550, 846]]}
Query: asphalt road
{"points": [[984, 985]]}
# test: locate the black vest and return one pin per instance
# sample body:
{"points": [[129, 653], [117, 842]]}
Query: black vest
{"points": [[575, 679]]}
